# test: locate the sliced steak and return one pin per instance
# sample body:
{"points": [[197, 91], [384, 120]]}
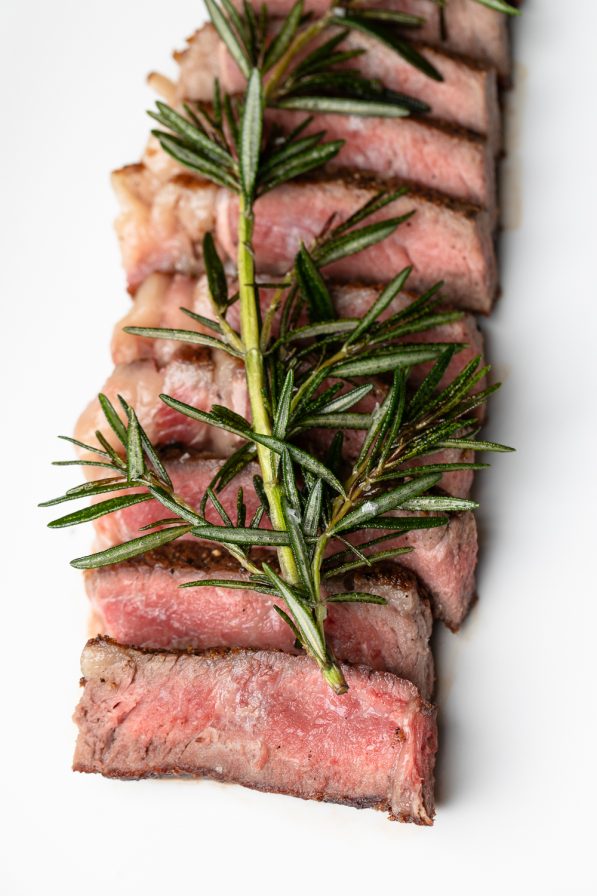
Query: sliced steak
{"points": [[467, 97], [140, 603], [468, 27], [201, 381], [443, 158], [265, 720], [444, 240], [444, 559]]}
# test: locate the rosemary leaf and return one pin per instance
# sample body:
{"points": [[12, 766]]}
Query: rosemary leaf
{"points": [[168, 501], [251, 131], [301, 164], [382, 33], [379, 306], [88, 490], [112, 417], [356, 597], [233, 584], [302, 556], [219, 508], [90, 448], [232, 535], [196, 162], [130, 549], [283, 410], [391, 500], [282, 41], [373, 205], [389, 360], [346, 400], [190, 337], [194, 138], [358, 240], [237, 49], [473, 445], [313, 287], [200, 319], [309, 632], [344, 106], [367, 560], [216, 275], [336, 421], [500, 6], [439, 504], [312, 512], [96, 511]]}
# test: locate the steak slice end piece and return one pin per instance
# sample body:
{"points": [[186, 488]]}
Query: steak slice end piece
{"points": [[264, 720]]}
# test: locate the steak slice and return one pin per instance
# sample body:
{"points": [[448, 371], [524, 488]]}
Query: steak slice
{"points": [[443, 158], [443, 559], [467, 97], [444, 240], [468, 27], [201, 381], [139, 602], [264, 720]]}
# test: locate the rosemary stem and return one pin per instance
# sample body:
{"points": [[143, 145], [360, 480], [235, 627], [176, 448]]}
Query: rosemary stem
{"points": [[251, 337], [249, 323]]}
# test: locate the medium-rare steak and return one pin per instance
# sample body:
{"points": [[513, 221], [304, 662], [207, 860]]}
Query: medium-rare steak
{"points": [[443, 559], [444, 240], [467, 97], [140, 603], [265, 720]]}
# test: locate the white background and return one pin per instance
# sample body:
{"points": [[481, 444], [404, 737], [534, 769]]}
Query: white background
{"points": [[517, 765]]}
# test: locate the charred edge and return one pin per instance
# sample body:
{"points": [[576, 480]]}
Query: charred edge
{"points": [[209, 774]]}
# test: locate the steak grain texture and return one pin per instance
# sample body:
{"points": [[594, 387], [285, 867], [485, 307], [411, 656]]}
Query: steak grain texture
{"points": [[140, 602], [264, 720]]}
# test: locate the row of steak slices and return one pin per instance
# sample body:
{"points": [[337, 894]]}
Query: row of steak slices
{"points": [[241, 700]]}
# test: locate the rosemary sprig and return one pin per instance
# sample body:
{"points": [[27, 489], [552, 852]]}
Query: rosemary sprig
{"points": [[303, 364]]}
